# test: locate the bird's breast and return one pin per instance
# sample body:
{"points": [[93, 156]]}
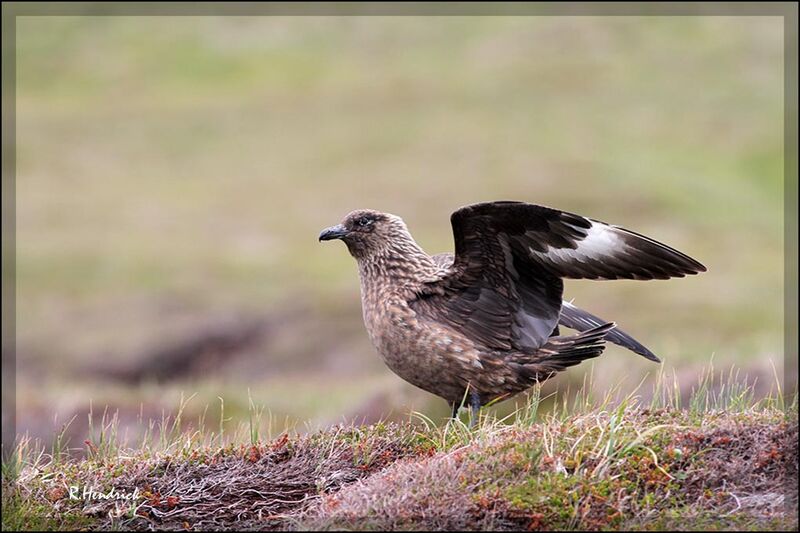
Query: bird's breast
{"points": [[388, 319], [419, 351]]}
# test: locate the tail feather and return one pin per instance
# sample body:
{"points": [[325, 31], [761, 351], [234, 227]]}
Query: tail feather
{"points": [[572, 349], [562, 352], [581, 320]]}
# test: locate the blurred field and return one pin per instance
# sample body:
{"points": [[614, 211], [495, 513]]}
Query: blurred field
{"points": [[173, 174]]}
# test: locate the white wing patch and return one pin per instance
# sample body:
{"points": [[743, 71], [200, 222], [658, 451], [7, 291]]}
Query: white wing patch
{"points": [[600, 241]]}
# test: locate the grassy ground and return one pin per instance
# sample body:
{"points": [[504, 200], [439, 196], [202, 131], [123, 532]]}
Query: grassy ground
{"points": [[724, 462], [173, 174]]}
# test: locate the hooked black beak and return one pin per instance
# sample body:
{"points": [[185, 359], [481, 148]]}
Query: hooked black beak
{"points": [[334, 232]]}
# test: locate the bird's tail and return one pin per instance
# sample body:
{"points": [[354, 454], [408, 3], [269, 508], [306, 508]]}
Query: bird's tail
{"points": [[568, 350], [581, 320]]}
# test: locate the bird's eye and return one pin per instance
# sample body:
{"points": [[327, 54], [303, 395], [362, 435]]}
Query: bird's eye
{"points": [[364, 221]]}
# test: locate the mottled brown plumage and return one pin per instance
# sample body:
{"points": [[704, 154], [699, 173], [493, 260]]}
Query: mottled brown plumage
{"points": [[483, 324]]}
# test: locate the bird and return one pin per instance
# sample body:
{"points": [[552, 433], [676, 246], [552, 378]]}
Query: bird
{"points": [[483, 324]]}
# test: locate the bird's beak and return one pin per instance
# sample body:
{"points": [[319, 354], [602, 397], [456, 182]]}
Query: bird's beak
{"points": [[334, 232]]}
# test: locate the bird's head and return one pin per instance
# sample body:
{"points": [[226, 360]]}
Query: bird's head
{"points": [[367, 233]]}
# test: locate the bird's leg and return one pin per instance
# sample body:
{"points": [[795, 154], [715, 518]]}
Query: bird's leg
{"points": [[475, 407], [455, 406]]}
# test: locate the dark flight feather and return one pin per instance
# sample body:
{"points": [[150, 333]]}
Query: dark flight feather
{"points": [[580, 320], [569, 245]]}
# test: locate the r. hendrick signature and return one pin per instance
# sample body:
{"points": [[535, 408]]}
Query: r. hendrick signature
{"points": [[88, 493]]}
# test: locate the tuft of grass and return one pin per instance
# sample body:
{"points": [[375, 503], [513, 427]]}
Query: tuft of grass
{"points": [[254, 416], [102, 441], [60, 446]]}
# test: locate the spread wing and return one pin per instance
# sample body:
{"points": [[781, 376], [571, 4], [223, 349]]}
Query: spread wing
{"points": [[504, 286], [572, 246]]}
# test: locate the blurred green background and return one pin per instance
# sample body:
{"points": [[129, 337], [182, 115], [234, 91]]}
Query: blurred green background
{"points": [[173, 174]]}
